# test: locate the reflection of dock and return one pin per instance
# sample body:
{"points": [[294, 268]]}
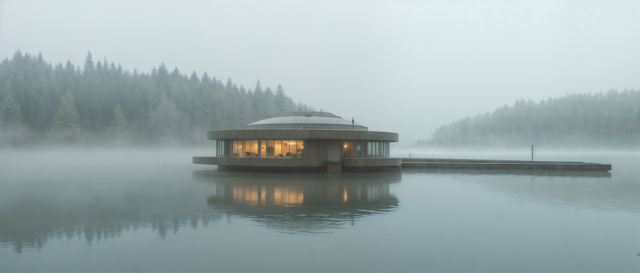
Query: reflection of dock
{"points": [[439, 163]]}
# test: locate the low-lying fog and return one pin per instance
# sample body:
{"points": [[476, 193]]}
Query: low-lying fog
{"points": [[524, 153], [73, 161]]}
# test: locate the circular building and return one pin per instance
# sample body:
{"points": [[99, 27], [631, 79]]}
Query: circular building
{"points": [[302, 141]]}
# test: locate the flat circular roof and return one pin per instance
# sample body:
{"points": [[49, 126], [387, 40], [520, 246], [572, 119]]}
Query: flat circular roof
{"points": [[306, 120]]}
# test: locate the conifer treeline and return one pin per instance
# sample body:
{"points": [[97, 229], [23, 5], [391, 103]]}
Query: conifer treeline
{"points": [[610, 119], [102, 103]]}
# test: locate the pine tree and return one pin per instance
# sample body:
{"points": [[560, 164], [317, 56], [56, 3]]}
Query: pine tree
{"points": [[66, 122], [118, 131], [258, 102], [10, 113], [118, 122], [268, 102], [167, 120], [281, 99], [88, 64]]}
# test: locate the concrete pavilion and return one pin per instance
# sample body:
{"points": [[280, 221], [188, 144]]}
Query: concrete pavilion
{"points": [[302, 141]]}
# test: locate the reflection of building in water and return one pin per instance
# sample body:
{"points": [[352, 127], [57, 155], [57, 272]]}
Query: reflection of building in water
{"points": [[261, 195], [288, 195], [309, 203]]}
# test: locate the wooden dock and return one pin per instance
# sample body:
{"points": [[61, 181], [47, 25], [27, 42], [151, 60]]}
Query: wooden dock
{"points": [[441, 163]]}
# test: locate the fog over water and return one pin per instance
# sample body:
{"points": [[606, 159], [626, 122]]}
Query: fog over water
{"points": [[78, 210], [401, 66]]}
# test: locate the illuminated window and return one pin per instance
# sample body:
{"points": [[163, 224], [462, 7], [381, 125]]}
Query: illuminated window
{"points": [[279, 148], [348, 149], [254, 148], [237, 149], [267, 148], [271, 150], [300, 148], [263, 148]]}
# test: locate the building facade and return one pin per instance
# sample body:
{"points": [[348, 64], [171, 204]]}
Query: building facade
{"points": [[302, 141]]}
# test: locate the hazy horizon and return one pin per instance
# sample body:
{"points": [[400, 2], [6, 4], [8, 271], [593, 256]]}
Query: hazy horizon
{"points": [[403, 66]]}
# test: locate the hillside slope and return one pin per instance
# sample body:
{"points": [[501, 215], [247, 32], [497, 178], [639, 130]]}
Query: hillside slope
{"points": [[610, 119], [101, 103]]}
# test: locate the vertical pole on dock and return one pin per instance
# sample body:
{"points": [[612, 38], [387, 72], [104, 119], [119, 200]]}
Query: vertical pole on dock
{"points": [[531, 152]]}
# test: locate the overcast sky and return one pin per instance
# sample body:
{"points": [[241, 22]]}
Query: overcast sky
{"points": [[399, 66]]}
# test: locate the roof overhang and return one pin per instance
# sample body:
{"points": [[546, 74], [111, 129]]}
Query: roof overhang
{"points": [[303, 134]]}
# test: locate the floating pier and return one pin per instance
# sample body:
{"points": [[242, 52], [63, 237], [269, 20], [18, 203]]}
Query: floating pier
{"points": [[441, 163]]}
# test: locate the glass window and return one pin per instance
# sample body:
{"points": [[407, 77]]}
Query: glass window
{"points": [[352, 149], [246, 148], [348, 150], [299, 148], [377, 149], [279, 148], [264, 148], [345, 149], [234, 149], [254, 148], [372, 150], [285, 148], [219, 147], [293, 147], [271, 152], [237, 148], [386, 150]]}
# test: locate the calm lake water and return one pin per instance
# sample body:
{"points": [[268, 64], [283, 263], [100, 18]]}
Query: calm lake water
{"points": [[153, 211]]}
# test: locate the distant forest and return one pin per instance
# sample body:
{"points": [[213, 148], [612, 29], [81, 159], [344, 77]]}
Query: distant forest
{"points": [[100, 103], [607, 120]]}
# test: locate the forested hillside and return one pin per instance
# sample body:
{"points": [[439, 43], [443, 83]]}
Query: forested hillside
{"points": [[610, 119], [102, 103]]}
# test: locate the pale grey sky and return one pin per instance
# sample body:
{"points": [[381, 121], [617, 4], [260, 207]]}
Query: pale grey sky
{"points": [[400, 66]]}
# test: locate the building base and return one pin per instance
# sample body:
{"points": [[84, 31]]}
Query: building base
{"points": [[272, 169], [371, 169], [334, 167]]}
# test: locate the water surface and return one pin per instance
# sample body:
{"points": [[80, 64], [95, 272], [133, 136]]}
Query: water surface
{"points": [[153, 211]]}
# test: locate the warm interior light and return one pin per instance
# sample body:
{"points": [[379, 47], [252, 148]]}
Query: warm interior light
{"points": [[345, 145]]}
